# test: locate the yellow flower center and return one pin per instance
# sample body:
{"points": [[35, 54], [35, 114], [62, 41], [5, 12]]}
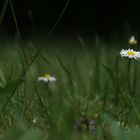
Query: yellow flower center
{"points": [[131, 53], [47, 76]]}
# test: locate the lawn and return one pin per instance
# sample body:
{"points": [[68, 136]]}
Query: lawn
{"points": [[95, 94]]}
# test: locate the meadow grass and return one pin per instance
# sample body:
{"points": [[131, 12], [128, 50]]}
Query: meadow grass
{"points": [[90, 99], [95, 96]]}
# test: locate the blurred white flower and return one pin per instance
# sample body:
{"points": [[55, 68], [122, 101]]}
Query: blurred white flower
{"points": [[133, 41], [47, 78], [130, 53], [34, 120]]}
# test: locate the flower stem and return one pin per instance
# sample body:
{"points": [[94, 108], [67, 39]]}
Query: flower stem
{"points": [[129, 77]]}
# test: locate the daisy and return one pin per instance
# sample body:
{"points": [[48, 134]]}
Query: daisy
{"points": [[132, 41], [47, 78], [130, 53]]}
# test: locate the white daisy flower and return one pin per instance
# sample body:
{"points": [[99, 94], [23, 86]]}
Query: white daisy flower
{"points": [[133, 41], [130, 53], [47, 78]]}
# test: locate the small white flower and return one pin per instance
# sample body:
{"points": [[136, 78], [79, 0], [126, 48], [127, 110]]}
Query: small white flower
{"points": [[132, 41], [130, 53], [47, 78], [34, 120]]}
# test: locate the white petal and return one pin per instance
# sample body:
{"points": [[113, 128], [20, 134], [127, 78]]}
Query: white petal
{"points": [[43, 79], [52, 79], [138, 55]]}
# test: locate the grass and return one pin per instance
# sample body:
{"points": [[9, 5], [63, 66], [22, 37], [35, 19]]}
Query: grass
{"points": [[92, 86], [96, 95]]}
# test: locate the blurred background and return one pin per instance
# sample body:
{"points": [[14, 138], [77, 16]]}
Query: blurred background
{"points": [[86, 18]]}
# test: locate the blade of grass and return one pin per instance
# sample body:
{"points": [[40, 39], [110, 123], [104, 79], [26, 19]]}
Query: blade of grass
{"points": [[18, 82], [66, 71], [3, 11]]}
